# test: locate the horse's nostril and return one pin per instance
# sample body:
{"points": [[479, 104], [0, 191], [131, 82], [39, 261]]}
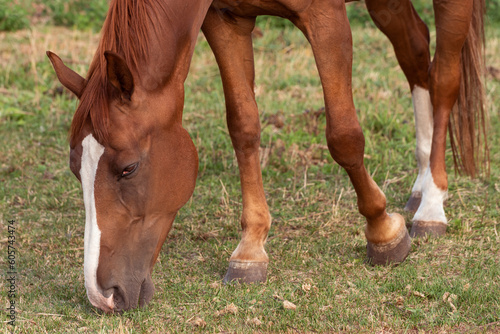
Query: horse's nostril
{"points": [[119, 299]]}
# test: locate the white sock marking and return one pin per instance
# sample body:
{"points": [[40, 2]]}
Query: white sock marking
{"points": [[92, 152], [424, 124], [431, 207]]}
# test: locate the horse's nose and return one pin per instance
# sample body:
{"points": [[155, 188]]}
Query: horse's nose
{"points": [[120, 299], [126, 297], [100, 301], [117, 301]]}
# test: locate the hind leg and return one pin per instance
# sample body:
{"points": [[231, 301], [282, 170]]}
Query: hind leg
{"points": [[231, 43], [452, 25], [434, 93], [326, 27], [410, 38]]}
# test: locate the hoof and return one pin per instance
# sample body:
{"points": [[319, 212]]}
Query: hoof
{"points": [[432, 228], [414, 202], [392, 252], [246, 272]]}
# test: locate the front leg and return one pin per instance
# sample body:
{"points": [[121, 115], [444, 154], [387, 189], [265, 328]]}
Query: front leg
{"points": [[326, 27], [231, 43]]}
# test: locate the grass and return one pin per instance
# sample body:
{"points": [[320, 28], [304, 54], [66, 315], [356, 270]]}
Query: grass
{"points": [[316, 243]]}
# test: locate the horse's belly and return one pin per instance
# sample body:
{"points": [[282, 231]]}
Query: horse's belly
{"points": [[283, 8]]}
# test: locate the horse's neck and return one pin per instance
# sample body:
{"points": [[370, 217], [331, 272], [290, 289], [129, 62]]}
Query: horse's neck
{"points": [[171, 50]]}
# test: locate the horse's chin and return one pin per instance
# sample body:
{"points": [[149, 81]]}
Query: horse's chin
{"points": [[147, 291]]}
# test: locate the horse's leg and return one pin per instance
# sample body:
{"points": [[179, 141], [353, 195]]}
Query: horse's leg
{"points": [[326, 26], [410, 37], [231, 42], [453, 19]]}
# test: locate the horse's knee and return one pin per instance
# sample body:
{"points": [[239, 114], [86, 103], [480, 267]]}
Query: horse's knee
{"points": [[244, 130], [346, 144]]}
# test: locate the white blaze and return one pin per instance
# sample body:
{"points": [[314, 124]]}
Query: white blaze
{"points": [[92, 152]]}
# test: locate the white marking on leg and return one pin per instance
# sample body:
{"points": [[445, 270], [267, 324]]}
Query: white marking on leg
{"points": [[92, 152], [424, 123], [431, 207]]}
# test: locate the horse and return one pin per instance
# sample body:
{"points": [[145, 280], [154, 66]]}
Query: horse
{"points": [[137, 164]]}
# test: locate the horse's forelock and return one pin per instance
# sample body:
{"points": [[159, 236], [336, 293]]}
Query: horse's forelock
{"points": [[127, 35]]}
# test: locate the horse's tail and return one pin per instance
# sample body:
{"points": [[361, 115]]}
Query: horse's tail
{"points": [[469, 116]]}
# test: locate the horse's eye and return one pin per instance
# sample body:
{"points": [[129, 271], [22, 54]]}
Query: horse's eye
{"points": [[129, 169]]}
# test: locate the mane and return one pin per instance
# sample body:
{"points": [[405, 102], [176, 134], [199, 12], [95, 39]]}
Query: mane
{"points": [[126, 31]]}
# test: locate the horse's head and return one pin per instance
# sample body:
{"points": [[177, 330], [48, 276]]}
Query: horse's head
{"points": [[134, 179]]}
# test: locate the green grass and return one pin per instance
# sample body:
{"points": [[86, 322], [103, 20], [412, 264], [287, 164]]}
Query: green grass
{"points": [[12, 16], [316, 243]]}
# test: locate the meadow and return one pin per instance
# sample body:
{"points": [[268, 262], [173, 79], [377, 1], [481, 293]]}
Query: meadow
{"points": [[316, 243]]}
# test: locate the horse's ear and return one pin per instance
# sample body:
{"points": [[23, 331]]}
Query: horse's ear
{"points": [[119, 74], [69, 78]]}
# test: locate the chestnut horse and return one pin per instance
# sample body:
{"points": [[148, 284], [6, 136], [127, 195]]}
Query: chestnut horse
{"points": [[138, 166]]}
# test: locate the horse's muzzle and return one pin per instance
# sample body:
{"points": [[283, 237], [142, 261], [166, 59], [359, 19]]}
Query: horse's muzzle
{"points": [[125, 297]]}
